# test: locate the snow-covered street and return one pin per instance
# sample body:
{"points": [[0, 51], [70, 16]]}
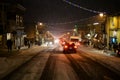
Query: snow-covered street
{"points": [[50, 63]]}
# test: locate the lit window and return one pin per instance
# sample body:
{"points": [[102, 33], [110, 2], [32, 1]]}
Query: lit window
{"points": [[21, 19]]}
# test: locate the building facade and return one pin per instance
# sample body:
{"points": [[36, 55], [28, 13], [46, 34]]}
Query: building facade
{"points": [[11, 23], [113, 29]]}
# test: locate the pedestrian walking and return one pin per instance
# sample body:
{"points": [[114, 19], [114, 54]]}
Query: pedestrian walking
{"points": [[28, 44], [9, 45], [110, 46], [115, 47]]}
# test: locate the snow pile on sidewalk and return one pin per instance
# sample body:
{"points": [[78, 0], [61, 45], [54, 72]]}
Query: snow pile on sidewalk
{"points": [[112, 62], [9, 64]]}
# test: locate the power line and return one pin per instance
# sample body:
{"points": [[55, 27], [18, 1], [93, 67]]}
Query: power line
{"points": [[70, 22], [76, 21], [86, 9]]}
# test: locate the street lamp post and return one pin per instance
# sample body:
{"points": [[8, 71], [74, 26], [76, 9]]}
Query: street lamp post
{"points": [[98, 28], [36, 34], [39, 32], [103, 26]]}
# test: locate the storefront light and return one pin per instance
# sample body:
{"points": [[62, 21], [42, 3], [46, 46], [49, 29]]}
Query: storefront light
{"points": [[95, 35], [8, 36], [95, 23], [88, 35], [114, 33]]}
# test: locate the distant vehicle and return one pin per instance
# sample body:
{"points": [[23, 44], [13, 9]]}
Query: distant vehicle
{"points": [[69, 47], [63, 43], [75, 40], [49, 43]]}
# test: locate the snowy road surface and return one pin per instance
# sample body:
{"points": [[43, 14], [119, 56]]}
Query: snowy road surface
{"points": [[52, 64]]}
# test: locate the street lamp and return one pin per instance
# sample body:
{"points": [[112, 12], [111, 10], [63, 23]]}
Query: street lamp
{"points": [[37, 31], [101, 14], [40, 24]]}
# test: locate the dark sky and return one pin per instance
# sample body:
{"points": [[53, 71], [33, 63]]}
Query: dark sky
{"points": [[52, 11], [57, 11]]}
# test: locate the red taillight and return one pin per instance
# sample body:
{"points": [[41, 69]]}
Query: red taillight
{"points": [[65, 46], [75, 46]]}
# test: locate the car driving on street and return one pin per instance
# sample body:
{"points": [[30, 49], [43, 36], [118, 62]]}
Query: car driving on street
{"points": [[69, 47]]}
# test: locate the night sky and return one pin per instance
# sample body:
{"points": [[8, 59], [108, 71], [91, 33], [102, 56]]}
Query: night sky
{"points": [[52, 11], [56, 12]]}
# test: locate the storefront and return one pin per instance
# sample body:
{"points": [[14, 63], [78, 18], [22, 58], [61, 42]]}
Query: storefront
{"points": [[113, 30]]}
